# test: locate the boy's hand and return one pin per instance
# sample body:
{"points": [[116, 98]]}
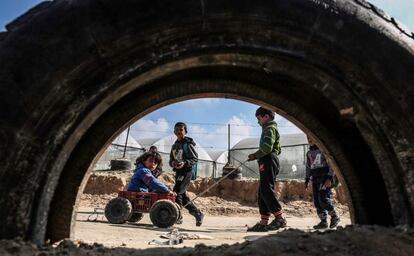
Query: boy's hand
{"points": [[306, 186], [327, 183], [251, 157], [178, 165], [173, 193]]}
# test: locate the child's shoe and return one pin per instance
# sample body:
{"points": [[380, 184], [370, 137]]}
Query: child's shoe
{"points": [[179, 221], [277, 224], [258, 227], [334, 221], [321, 225], [199, 216]]}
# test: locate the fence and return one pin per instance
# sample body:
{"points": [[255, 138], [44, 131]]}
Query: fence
{"points": [[292, 161]]}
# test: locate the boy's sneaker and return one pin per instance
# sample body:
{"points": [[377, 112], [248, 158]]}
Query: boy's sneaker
{"points": [[199, 216], [277, 224], [258, 227], [321, 225], [334, 221]]}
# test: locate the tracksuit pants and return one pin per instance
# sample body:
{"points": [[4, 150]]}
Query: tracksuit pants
{"points": [[322, 198], [268, 169], [182, 180]]}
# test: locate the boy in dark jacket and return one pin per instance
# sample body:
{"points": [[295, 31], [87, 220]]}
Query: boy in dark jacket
{"points": [[183, 157], [143, 179], [266, 156], [322, 178]]}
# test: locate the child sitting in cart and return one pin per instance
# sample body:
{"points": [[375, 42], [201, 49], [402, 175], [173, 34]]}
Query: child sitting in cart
{"points": [[143, 179]]}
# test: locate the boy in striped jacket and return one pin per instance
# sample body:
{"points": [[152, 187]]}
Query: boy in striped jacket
{"points": [[267, 158]]}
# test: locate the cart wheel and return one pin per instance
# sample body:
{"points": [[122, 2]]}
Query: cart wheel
{"points": [[136, 216], [164, 213], [118, 210]]}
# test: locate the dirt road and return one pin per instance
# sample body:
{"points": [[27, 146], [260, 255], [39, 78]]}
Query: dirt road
{"points": [[221, 229]]}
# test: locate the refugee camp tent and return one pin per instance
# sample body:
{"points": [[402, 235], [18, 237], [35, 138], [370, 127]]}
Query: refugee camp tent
{"points": [[164, 145], [292, 158], [116, 149], [220, 159]]}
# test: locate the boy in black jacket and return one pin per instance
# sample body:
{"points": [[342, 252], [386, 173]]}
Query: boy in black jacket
{"points": [[322, 178], [182, 158]]}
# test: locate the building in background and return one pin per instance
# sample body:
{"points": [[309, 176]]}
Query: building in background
{"points": [[211, 162]]}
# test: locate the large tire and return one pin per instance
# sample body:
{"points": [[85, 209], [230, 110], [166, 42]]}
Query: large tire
{"points": [[339, 69], [136, 216], [164, 213], [120, 164], [118, 210]]}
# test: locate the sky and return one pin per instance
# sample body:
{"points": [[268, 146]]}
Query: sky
{"points": [[207, 122], [208, 118]]}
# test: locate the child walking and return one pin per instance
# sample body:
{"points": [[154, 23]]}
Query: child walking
{"points": [[318, 170], [268, 161], [183, 157]]}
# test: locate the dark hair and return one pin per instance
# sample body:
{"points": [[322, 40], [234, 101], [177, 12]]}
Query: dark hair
{"points": [[153, 148], [181, 124], [142, 158], [263, 111]]}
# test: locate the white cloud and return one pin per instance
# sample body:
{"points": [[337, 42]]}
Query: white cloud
{"points": [[286, 127], [207, 138], [279, 118], [217, 136], [205, 101], [239, 129], [145, 128]]}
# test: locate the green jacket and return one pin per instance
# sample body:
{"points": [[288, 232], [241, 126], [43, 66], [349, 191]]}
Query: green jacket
{"points": [[269, 140]]}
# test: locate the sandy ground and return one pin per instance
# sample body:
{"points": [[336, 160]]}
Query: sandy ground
{"points": [[219, 206], [351, 240], [222, 233], [221, 230]]}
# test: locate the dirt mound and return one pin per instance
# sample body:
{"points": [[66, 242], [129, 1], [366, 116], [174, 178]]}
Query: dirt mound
{"points": [[229, 197], [100, 183], [215, 205], [96, 201], [245, 190], [218, 206], [351, 240]]}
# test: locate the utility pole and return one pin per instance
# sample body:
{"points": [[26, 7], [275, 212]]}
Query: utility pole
{"points": [[228, 143], [126, 142]]}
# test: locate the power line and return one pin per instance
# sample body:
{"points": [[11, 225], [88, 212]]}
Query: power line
{"points": [[165, 145], [211, 124], [198, 133]]}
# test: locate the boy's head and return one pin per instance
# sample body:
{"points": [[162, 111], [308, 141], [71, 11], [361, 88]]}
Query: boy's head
{"points": [[264, 115], [311, 140], [150, 160], [153, 149], [180, 130]]}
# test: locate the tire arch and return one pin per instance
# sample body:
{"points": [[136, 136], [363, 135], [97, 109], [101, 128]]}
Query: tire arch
{"points": [[69, 94]]}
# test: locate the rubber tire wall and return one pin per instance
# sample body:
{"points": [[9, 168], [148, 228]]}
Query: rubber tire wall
{"points": [[73, 74]]}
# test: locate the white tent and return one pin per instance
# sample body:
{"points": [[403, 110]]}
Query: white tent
{"points": [[164, 145], [116, 150], [220, 159], [120, 140], [292, 158]]}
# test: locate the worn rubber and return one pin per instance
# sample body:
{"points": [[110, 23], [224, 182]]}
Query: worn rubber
{"points": [[74, 74]]}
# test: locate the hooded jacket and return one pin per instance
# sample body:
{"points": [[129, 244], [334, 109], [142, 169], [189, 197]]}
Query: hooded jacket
{"points": [[184, 151], [269, 140], [316, 164], [144, 181]]}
